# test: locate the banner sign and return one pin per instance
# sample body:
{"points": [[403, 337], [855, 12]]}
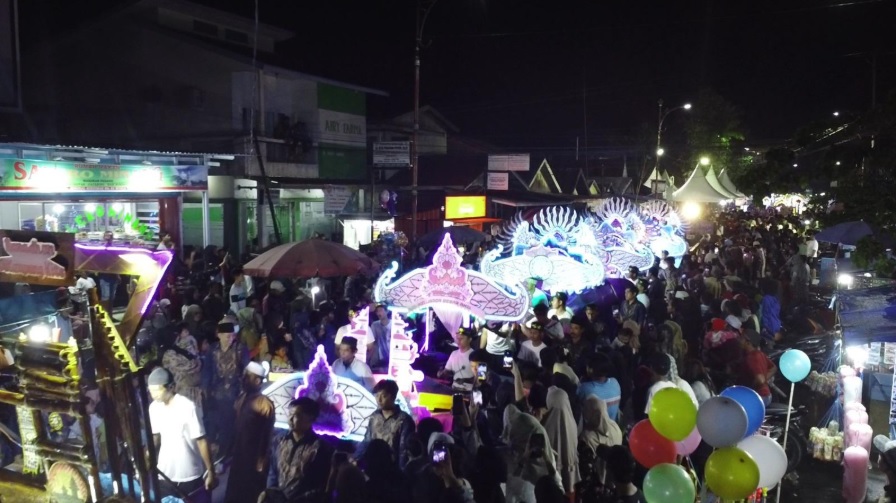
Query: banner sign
{"points": [[40, 258], [392, 154], [498, 181], [509, 162], [335, 199], [55, 176]]}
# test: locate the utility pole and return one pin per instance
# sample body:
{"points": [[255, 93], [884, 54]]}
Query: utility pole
{"points": [[661, 117], [424, 7]]}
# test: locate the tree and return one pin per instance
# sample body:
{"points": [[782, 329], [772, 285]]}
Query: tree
{"points": [[714, 128]]}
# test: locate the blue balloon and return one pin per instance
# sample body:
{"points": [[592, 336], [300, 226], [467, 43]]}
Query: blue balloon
{"points": [[795, 365], [752, 404]]}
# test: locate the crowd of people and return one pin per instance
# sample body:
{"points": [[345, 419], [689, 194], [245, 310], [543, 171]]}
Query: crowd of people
{"points": [[540, 409]]}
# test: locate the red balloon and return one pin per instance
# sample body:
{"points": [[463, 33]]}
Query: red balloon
{"points": [[649, 447]]}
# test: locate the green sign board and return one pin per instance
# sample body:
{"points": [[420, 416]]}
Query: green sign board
{"points": [[53, 176]]}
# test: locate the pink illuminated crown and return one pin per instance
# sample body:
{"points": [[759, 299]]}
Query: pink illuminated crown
{"points": [[445, 277]]}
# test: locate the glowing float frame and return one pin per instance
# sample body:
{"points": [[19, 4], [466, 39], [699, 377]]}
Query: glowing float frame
{"points": [[446, 283]]}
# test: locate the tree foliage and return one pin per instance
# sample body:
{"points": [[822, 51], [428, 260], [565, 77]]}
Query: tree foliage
{"points": [[715, 129]]}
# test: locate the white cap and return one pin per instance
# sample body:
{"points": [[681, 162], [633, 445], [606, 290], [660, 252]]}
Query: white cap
{"points": [[164, 302], [734, 321], [276, 285], [256, 368]]}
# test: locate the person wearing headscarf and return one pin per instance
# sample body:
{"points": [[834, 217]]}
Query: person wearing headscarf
{"points": [[598, 429], [673, 342], [529, 457], [250, 334], [560, 425]]}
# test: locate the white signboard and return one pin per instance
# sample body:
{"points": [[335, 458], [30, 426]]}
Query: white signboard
{"points": [[498, 181], [508, 162], [335, 199], [338, 128], [392, 154]]}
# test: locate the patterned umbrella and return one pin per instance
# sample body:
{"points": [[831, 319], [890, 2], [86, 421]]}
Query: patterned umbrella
{"points": [[309, 258]]}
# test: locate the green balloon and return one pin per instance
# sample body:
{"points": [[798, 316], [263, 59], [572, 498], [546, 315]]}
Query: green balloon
{"points": [[672, 414], [731, 473], [668, 483]]}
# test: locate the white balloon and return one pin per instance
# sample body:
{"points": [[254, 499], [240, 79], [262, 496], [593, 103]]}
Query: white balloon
{"points": [[770, 457], [722, 422]]}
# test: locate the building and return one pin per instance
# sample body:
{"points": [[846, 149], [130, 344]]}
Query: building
{"points": [[171, 75]]}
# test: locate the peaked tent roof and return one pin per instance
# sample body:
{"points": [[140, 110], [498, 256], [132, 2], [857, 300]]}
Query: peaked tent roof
{"points": [[714, 182], [697, 189], [654, 176], [726, 182]]}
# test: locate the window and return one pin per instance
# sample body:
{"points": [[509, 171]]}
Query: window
{"points": [[238, 37], [205, 28]]}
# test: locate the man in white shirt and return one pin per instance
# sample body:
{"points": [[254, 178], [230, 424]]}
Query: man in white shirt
{"points": [[559, 310], [530, 349], [382, 336], [367, 342], [347, 366], [458, 365], [238, 291], [812, 253], [184, 458]]}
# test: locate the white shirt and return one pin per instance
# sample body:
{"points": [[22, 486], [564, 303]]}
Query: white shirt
{"points": [[497, 345], [643, 299], [459, 363], [8, 355], [85, 283], [564, 318], [368, 338], [179, 426], [237, 298], [701, 392], [811, 248], [357, 371], [531, 353]]}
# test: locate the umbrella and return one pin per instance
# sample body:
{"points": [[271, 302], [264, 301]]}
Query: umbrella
{"points": [[849, 233], [309, 258], [460, 234]]}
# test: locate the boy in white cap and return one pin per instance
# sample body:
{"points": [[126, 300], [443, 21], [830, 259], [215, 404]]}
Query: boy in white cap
{"points": [[184, 457]]}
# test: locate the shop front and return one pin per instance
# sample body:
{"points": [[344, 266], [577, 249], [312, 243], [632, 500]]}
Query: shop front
{"points": [[138, 203]]}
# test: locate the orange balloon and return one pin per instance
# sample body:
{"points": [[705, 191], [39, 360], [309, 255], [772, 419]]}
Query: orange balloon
{"points": [[649, 447]]}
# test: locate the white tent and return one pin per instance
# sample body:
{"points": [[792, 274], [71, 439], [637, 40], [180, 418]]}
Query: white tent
{"points": [[713, 181], [726, 182], [698, 190]]}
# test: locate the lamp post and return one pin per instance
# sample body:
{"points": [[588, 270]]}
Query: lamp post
{"points": [[424, 7], [661, 116]]}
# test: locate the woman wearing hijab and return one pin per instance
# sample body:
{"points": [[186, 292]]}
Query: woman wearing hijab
{"points": [[530, 456], [598, 429], [561, 428], [673, 342]]}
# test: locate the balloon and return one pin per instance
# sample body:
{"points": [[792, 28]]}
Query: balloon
{"points": [[672, 414], [731, 473], [722, 421], [687, 446], [795, 365], [770, 457], [752, 404], [649, 447], [668, 483]]}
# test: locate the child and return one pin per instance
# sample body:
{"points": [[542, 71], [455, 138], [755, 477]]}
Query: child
{"points": [[280, 361]]}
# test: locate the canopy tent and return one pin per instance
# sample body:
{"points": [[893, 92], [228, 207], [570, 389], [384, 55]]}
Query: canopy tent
{"points": [[868, 315], [698, 190], [850, 233], [713, 181], [728, 185]]}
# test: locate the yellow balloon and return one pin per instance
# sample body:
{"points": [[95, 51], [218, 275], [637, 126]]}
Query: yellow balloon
{"points": [[672, 414], [731, 473]]}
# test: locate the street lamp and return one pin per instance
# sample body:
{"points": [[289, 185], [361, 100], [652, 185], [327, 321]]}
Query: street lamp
{"points": [[704, 161], [424, 7], [659, 134]]}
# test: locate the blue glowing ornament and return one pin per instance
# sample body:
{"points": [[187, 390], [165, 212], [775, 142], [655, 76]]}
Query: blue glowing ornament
{"points": [[664, 229]]}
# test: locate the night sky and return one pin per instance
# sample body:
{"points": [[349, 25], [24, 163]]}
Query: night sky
{"points": [[513, 72]]}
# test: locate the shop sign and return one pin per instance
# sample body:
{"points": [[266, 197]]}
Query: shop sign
{"points": [[508, 162], [459, 207], [498, 181], [42, 258], [54, 176], [340, 128], [392, 154], [335, 199]]}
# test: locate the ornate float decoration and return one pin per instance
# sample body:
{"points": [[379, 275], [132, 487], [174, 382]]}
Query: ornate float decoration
{"points": [[556, 249], [345, 405], [622, 235], [665, 229], [447, 286]]}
